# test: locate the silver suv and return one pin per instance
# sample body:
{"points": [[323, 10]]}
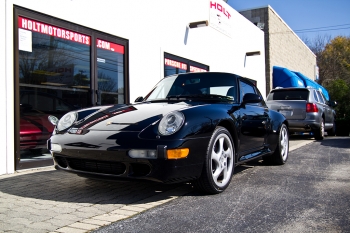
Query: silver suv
{"points": [[306, 110]]}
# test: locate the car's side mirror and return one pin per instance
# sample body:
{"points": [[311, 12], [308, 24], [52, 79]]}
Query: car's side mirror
{"points": [[333, 104], [251, 98], [139, 99]]}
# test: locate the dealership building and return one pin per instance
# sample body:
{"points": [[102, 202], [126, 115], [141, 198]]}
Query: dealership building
{"points": [[58, 56]]}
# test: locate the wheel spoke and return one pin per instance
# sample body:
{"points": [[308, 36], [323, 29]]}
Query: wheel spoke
{"points": [[215, 157], [221, 145], [228, 153], [217, 173]]}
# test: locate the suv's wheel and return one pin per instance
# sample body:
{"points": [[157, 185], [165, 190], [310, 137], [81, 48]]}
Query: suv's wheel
{"points": [[219, 163], [331, 132], [319, 133]]}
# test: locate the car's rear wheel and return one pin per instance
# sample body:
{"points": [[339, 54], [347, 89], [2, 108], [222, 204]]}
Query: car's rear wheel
{"points": [[280, 156], [331, 132], [219, 163], [319, 133]]}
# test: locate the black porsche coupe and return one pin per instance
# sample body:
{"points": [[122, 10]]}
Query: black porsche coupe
{"points": [[190, 127]]}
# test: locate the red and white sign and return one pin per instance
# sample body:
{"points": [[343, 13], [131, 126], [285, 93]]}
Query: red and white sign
{"points": [[196, 69], [175, 64], [109, 46], [220, 8], [220, 16], [47, 29]]}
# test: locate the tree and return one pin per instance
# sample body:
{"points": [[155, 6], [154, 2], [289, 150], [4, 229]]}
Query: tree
{"points": [[340, 91], [333, 60]]}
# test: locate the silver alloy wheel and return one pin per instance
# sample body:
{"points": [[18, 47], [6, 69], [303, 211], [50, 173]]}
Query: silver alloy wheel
{"points": [[222, 160], [322, 129], [284, 143]]}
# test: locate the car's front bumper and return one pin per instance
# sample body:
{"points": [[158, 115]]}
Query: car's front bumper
{"points": [[96, 154]]}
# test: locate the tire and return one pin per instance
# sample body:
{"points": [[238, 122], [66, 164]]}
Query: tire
{"points": [[219, 163], [280, 155], [331, 132], [319, 133]]}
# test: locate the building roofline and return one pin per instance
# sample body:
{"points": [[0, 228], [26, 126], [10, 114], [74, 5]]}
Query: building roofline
{"points": [[269, 7]]}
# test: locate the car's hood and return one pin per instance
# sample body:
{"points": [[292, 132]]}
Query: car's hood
{"points": [[133, 117]]}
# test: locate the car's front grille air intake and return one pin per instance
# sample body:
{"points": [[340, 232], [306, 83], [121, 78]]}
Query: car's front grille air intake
{"points": [[113, 168]]}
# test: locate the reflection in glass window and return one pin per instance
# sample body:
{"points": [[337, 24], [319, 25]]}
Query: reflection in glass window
{"points": [[110, 68], [177, 65], [54, 78], [174, 67]]}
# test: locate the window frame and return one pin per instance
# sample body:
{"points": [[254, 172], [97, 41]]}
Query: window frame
{"points": [[94, 35], [188, 62]]}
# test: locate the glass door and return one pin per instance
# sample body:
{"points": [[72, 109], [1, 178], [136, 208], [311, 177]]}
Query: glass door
{"points": [[54, 78], [60, 67]]}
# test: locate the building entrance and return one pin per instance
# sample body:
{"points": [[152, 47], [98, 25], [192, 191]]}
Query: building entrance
{"points": [[60, 70]]}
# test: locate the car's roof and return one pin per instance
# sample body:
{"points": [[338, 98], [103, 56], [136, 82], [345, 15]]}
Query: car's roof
{"points": [[292, 88]]}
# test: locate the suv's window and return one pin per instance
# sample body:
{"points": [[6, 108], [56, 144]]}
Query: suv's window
{"points": [[288, 95], [320, 97], [315, 96]]}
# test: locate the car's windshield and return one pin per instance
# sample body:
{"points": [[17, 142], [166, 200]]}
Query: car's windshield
{"points": [[196, 85]]}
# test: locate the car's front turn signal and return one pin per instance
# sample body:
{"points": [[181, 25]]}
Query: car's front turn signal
{"points": [[178, 153]]}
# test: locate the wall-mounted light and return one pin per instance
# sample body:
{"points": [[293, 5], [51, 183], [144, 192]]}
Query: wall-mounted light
{"points": [[248, 54], [198, 24], [255, 53]]}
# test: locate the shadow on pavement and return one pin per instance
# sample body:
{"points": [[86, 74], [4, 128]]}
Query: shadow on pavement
{"points": [[64, 187], [337, 142]]}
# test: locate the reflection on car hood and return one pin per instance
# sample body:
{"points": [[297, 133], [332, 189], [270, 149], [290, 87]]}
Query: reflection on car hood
{"points": [[129, 117]]}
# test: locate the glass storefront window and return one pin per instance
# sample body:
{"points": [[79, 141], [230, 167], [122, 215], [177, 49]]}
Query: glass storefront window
{"points": [[110, 68], [57, 72], [173, 67], [54, 78], [177, 65]]}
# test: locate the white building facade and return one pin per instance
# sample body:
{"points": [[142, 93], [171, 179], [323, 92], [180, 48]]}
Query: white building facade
{"points": [[59, 55]]}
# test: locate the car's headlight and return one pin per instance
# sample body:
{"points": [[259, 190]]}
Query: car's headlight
{"points": [[67, 120], [171, 123]]}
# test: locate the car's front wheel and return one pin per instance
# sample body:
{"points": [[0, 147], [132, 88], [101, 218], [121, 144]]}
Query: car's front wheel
{"points": [[219, 163]]}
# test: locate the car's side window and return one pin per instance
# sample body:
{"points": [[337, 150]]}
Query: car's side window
{"points": [[245, 88], [324, 98], [320, 97], [315, 96]]}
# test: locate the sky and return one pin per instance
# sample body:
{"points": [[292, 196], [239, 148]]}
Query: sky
{"points": [[320, 17]]}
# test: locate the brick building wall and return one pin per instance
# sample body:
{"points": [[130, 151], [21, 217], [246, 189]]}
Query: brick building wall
{"points": [[282, 46]]}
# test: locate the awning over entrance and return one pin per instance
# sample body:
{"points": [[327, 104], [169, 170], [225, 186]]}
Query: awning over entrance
{"points": [[283, 77]]}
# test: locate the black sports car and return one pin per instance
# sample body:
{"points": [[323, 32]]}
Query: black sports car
{"points": [[191, 127]]}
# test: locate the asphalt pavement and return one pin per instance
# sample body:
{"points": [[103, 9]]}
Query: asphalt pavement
{"points": [[46, 200], [310, 193]]}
